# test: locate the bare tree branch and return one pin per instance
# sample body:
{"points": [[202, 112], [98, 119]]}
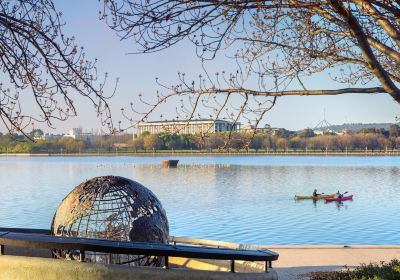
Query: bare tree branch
{"points": [[276, 45], [37, 58], [290, 92]]}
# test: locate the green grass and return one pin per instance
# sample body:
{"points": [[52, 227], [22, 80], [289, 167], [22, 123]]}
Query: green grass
{"points": [[122, 151], [383, 271]]}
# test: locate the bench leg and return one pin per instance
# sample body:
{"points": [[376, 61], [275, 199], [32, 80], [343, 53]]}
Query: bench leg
{"points": [[233, 266], [82, 256], [166, 262]]}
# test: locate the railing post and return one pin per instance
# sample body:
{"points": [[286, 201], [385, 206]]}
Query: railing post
{"points": [[82, 256], [166, 262], [233, 266], [1, 250]]}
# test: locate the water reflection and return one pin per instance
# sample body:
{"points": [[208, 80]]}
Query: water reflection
{"points": [[340, 204], [314, 202], [250, 201]]}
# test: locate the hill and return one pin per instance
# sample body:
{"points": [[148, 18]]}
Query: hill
{"points": [[358, 126]]}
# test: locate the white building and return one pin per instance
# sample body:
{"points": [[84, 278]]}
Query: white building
{"points": [[75, 133], [250, 128], [78, 134], [324, 131], [187, 127]]}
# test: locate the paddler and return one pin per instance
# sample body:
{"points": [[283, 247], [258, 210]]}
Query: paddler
{"points": [[315, 193], [339, 195]]}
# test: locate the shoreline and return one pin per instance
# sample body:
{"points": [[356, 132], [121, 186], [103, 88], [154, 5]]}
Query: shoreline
{"points": [[294, 262], [200, 154]]}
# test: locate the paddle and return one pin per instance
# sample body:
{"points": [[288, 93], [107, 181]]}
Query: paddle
{"points": [[316, 197]]}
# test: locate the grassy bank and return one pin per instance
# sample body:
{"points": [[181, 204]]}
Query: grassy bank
{"points": [[211, 153]]}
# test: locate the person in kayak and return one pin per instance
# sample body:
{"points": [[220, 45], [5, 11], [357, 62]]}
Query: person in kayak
{"points": [[315, 194], [339, 195]]}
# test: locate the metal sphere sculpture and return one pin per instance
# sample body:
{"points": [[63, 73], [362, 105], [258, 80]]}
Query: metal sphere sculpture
{"points": [[113, 208]]}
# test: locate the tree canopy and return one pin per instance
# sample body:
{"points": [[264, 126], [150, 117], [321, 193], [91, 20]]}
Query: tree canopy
{"points": [[276, 45]]}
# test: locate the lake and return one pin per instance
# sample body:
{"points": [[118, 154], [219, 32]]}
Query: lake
{"points": [[246, 199]]}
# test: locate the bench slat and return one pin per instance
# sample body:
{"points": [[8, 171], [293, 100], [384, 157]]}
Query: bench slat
{"points": [[25, 230]]}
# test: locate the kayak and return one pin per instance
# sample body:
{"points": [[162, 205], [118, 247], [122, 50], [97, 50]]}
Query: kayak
{"points": [[350, 197], [323, 196]]}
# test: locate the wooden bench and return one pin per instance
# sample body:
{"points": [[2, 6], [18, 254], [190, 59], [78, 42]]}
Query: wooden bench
{"points": [[36, 238]]}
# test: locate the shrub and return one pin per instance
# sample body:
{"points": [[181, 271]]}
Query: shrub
{"points": [[373, 271]]}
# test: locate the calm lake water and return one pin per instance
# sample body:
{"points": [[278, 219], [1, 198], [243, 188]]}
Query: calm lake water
{"points": [[247, 199]]}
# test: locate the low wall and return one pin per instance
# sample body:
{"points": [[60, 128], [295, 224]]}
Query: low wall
{"points": [[18, 267]]}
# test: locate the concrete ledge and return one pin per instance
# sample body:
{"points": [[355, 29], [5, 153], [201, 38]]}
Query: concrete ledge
{"points": [[18, 268]]}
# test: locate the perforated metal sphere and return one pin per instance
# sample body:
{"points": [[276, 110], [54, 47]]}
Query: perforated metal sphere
{"points": [[113, 208]]}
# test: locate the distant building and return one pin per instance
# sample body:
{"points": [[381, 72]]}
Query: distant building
{"points": [[41, 137], [274, 131], [249, 128], [37, 137], [343, 132], [75, 133], [325, 131], [187, 127], [78, 134], [323, 127]]}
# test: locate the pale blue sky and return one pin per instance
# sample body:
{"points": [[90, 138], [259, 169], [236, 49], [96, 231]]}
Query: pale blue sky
{"points": [[137, 75]]}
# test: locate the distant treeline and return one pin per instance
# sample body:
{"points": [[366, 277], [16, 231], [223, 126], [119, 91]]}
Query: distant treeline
{"points": [[370, 139], [19, 144]]}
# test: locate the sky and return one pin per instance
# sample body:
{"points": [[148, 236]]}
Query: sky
{"points": [[137, 75]]}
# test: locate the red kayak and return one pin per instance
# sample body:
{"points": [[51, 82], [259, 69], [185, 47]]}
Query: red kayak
{"points": [[349, 197]]}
